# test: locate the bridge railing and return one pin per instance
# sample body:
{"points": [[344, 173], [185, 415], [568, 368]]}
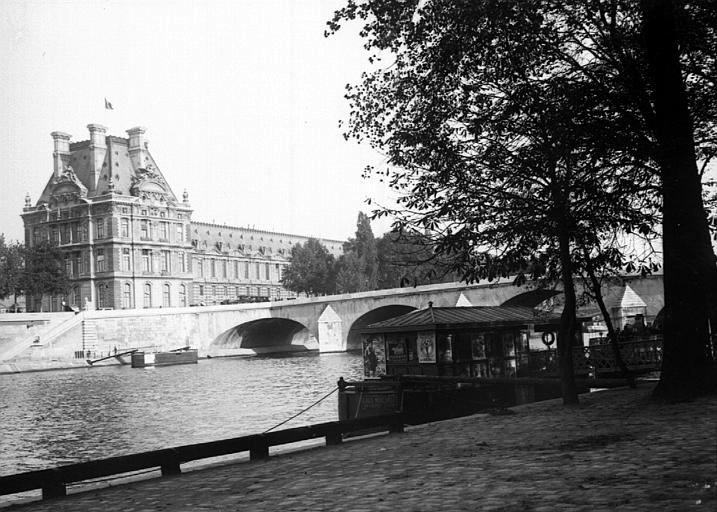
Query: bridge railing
{"points": [[53, 482]]}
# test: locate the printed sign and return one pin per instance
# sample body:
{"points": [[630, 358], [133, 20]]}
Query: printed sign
{"points": [[478, 346], [396, 349], [374, 356], [426, 347]]}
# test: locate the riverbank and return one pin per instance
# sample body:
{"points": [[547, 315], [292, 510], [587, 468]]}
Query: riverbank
{"points": [[617, 450], [42, 365]]}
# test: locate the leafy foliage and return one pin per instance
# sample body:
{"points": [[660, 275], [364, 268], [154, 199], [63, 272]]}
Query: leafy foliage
{"points": [[523, 136], [409, 259], [44, 271], [11, 268], [311, 270], [358, 267]]}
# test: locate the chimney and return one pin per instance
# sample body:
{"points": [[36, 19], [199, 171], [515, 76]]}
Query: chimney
{"points": [[97, 135], [98, 148], [61, 154], [137, 146]]}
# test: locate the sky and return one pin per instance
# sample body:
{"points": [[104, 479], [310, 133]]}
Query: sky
{"points": [[241, 101]]}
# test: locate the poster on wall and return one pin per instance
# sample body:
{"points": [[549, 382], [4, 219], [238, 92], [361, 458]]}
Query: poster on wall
{"points": [[374, 356], [478, 346], [426, 347], [396, 349]]}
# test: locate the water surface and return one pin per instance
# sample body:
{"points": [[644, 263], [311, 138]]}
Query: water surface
{"points": [[61, 417]]}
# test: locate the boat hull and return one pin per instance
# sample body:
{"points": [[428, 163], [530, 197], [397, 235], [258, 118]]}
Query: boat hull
{"points": [[144, 359]]}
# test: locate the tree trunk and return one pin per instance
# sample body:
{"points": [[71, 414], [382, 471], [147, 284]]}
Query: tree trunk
{"points": [[690, 274], [611, 333], [566, 333]]}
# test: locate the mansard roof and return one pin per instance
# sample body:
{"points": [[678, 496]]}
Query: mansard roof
{"points": [[224, 238], [114, 170]]}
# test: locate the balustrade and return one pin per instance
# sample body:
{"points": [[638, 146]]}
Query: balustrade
{"points": [[642, 355]]}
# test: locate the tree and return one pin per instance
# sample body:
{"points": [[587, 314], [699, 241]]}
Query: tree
{"points": [[690, 275], [364, 245], [44, 271], [351, 274], [409, 259], [11, 269], [311, 270], [358, 267], [495, 155], [534, 94]]}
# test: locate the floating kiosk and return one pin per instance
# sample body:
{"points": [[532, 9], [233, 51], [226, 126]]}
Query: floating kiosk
{"points": [[448, 361], [184, 355], [443, 362]]}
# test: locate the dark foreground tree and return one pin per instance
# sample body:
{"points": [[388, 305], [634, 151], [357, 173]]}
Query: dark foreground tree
{"points": [[311, 270], [689, 261], [494, 158], [451, 62]]}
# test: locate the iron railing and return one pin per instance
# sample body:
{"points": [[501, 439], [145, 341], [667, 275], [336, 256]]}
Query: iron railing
{"points": [[641, 355]]}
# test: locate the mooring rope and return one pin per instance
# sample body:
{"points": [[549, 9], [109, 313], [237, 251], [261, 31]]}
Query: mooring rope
{"points": [[141, 472], [303, 411]]}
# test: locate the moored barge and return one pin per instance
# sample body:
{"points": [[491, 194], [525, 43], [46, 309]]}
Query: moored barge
{"points": [[179, 356]]}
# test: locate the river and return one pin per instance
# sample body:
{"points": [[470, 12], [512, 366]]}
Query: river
{"points": [[61, 417]]}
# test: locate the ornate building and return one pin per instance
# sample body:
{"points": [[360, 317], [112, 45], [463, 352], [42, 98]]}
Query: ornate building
{"points": [[129, 242]]}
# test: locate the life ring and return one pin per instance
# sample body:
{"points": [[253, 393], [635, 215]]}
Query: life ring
{"points": [[548, 338]]}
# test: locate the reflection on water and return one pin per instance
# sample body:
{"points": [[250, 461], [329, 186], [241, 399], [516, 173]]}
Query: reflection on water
{"points": [[53, 418]]}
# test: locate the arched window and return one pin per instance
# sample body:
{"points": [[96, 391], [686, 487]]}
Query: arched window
{"points": [[147, 295], [75, 296], [102, 293], [182, 295], [127, 296], [166, 301]]}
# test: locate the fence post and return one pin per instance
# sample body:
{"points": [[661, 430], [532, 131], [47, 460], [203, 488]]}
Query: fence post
{"points": [[333, 436], [396, 426], [259, 448], [170, 463], [53, 487]]}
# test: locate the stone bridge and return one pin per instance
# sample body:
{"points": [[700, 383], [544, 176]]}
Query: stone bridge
{"points": [[329, 323]]}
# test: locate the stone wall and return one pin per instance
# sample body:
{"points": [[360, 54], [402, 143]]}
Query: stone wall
{"points": [[233, 329]]}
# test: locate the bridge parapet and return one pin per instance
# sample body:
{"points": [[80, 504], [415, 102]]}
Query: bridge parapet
{"points": [[330, 320]]}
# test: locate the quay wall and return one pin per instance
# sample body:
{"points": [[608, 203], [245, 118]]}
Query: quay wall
{"points": [[170, 328]]}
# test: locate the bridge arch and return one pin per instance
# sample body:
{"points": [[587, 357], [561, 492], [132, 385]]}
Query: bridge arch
{"points": [[353, 338], [264, 335], [531, 298]]}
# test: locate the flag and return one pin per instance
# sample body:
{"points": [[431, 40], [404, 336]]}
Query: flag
{"points": [[108, 105]]}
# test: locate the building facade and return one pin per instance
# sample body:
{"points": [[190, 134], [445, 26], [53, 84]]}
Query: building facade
{"points": [[129, 242]]}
